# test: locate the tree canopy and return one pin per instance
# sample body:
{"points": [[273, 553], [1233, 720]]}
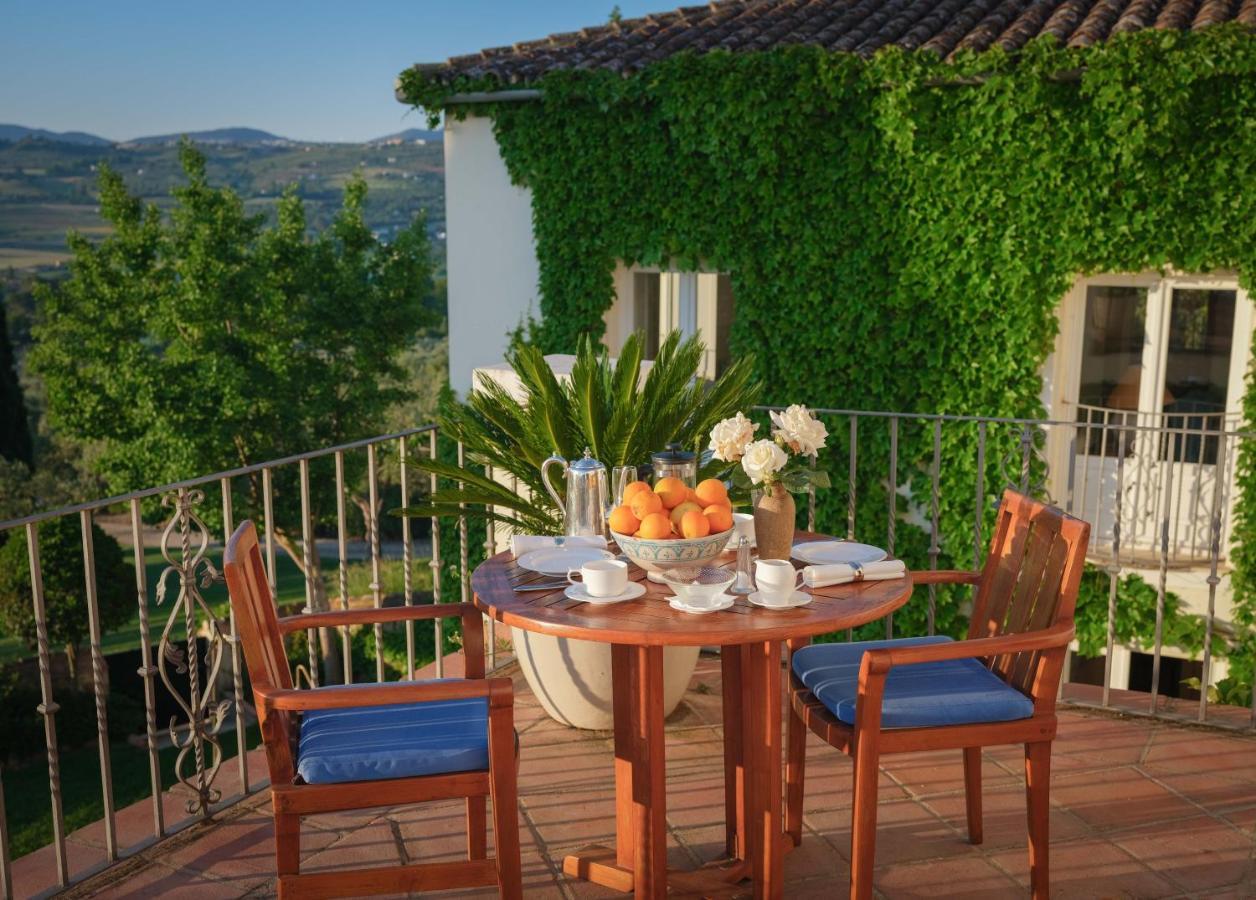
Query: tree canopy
{"points": [[206, 338]]}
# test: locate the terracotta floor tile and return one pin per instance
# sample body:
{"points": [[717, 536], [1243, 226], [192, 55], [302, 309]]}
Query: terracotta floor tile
{"points": [[1214, 792], [36, 872], [1203, 752], [1091, 868], [159, 881], [570, 817], [243, 846], [370, 845], [1004, 817], [1199, 854], [924, 774], [906, 832], [941, 878], [1117, 798]]}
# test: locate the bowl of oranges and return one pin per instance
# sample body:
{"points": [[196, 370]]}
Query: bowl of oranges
{"points": [[672, 524]]}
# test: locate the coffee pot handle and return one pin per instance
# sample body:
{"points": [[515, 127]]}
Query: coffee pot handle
{"points": [[562, 511]]}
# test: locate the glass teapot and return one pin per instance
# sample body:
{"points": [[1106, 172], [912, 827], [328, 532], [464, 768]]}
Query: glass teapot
{"points": [[585, 509]]}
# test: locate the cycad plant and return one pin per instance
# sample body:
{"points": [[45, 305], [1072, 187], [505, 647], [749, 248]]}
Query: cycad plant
{"points": [[606, 406]]}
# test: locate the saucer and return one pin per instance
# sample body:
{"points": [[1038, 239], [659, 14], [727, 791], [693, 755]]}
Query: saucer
{"points": [[578, 592], [724, 602], [800, 598]]}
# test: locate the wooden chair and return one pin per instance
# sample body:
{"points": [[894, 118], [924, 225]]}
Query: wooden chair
{"points": [[368, 745], [997, 687]]}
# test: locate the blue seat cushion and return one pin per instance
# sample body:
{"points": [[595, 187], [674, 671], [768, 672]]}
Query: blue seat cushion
{"points": [[366, 743], [952, 692]]}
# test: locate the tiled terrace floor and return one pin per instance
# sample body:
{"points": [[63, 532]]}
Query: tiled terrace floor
{"points": [[1140, 809]]}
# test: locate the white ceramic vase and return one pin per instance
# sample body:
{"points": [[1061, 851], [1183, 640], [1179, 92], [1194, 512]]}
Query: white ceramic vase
{"points": [[572, 679]]}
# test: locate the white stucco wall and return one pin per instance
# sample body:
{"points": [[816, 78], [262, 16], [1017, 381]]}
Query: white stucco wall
{"points": [[491, 256]]}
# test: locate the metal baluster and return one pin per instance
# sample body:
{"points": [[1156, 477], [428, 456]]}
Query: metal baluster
{"points": [[6, 873], [1027, 445], [490, 550], [1071, 475], [407, 556], [1114, 570], [147, 670], [268, 514], [936, 471], [1103, 465], [1199, 480], [438, 627], [237, 664], [889, 542], [1213, 579], [307, 553], [979, 509], [1163, 584], [47, 707], [463, 579], [98, 683], [342, 555], [377, 594], [850, 483], [1085, 486]]}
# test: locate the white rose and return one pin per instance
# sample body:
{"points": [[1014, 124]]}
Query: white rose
{"points": [[730, 437], [763, 459], [799, 429]]}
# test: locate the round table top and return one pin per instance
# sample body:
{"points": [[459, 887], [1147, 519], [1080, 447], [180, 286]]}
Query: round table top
{"points": [[651, 621]]}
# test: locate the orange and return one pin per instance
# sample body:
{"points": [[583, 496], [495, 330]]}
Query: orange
{"points": [[634, 488], [672, 490], [695, 525], [712, 491], [622, 521], [645, 502], [720, 517], [693, 497], [654, 527], [679, 513]]}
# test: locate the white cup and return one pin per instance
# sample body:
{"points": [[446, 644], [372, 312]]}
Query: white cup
{"points": [[602, 577], [777, 579]]}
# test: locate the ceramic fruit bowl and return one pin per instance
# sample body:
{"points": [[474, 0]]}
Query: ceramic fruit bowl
{"points": [[657, 556]]}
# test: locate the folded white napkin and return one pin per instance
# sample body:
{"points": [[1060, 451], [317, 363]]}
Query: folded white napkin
{"points": [[842, 573], [526, 543]]}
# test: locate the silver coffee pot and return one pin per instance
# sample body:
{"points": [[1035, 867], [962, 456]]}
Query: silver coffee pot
{"points": [[587, 504]]}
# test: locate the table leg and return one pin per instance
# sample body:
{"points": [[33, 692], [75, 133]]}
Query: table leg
{"points": [[734, 769], [761, 727], [639, 861]]}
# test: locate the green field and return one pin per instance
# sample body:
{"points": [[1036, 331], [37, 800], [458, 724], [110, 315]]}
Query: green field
{"points": [[48, 188]]}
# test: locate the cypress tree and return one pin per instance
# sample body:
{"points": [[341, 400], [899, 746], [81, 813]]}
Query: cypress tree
{"points": [[15, 435]]}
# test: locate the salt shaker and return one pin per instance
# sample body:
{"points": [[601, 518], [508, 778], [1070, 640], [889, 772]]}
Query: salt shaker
{"points": [[743, 584]]}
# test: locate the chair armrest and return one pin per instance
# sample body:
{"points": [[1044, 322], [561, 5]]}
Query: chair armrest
{"points": [[371, 615], [880, 661], [945, 576], [499, 692], [876, 664]]}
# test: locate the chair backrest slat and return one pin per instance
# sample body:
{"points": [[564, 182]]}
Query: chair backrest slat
{"points": [[258, 625], [1029, 583]]}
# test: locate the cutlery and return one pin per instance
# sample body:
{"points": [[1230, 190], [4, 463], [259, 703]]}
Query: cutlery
{"points": [[540, 587]]}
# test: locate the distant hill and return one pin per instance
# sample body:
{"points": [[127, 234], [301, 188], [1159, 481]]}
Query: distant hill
{"points": [[409, 135], [217, 136], [18, 132]]}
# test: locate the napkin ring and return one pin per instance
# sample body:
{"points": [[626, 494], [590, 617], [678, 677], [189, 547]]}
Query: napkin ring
{"points": [[859, 572]]}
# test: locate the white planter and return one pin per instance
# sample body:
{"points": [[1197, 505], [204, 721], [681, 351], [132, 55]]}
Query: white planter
{"points": [[572, 679]]}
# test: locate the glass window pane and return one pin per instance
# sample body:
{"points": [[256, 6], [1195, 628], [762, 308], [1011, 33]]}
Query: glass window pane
{"points": [[1197, 371], [1112, 366]]}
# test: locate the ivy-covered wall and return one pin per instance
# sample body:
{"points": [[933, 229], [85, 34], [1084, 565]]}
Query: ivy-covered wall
{"points": [[898, 230]]}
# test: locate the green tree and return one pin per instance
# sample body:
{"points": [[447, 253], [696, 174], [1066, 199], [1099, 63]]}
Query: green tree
{"points": [[205, 339], [65, 591], [15, 436]]}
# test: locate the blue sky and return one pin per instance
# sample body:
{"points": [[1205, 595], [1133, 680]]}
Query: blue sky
{"points": [[311, 70]]}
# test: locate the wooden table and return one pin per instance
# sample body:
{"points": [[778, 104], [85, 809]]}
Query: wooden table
{"points": [[637, 631]]}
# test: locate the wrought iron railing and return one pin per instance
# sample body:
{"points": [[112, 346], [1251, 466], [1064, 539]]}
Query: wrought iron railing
{"points": [[1159, 502], [196, 641]]}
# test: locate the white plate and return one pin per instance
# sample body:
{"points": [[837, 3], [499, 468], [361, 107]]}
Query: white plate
{"points": [[800, 598], [577, 592], [825, 553], [560, 560], [724, 601]]}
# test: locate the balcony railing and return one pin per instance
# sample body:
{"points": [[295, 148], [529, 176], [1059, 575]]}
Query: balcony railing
{"points": [[1158, 491]]}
